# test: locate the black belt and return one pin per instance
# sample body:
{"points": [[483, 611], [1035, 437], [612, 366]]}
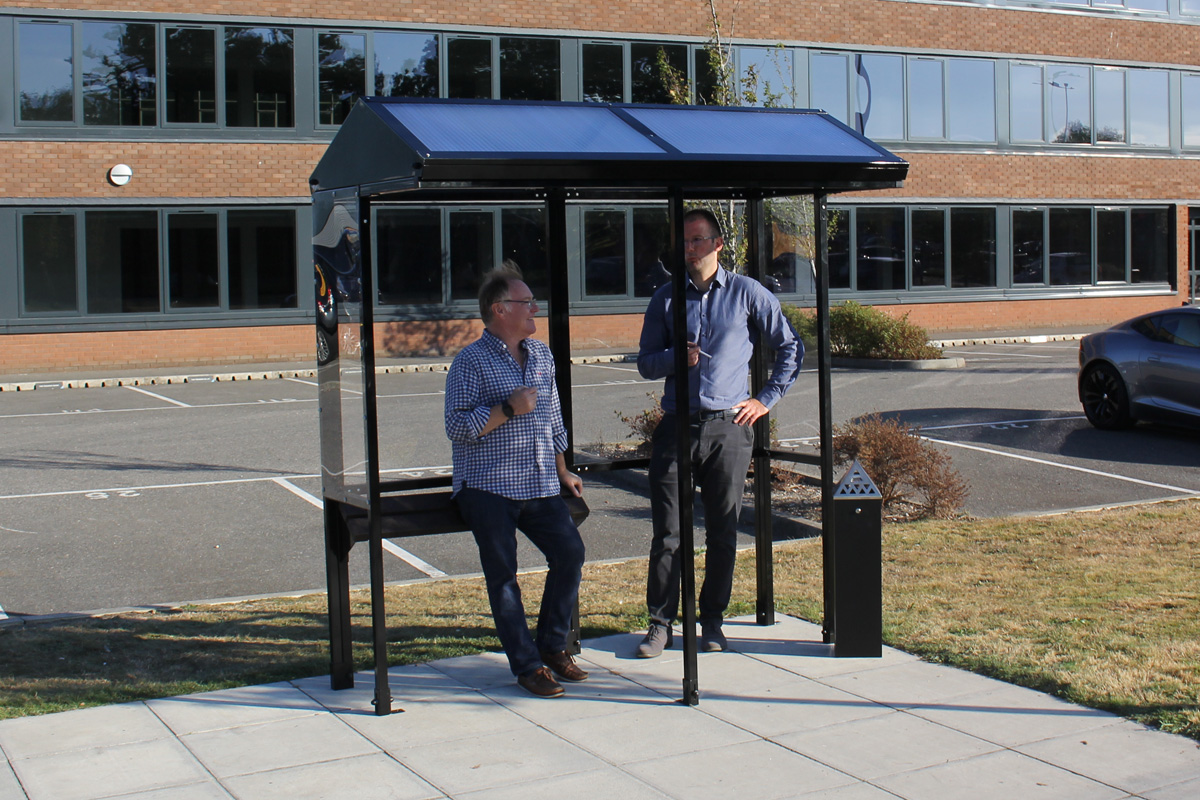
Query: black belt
{"points": [[708, 416]]}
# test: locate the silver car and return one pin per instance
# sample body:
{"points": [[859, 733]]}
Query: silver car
{"points": [[1146, 368]]}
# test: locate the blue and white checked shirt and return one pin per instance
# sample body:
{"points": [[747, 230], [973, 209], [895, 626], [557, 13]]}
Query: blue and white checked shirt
{"points": [[516, 460]]}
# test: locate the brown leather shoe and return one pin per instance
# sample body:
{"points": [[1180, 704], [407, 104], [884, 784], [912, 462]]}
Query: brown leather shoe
{"points": [[541, 683], [564, 666]]}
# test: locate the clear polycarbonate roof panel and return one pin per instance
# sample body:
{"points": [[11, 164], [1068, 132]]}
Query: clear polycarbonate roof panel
{"points": [[717, 132], [529, 129]]}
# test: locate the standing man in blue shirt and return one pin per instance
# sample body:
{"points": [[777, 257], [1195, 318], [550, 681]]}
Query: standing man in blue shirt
{"points": [[505, 426], [726, 315]]}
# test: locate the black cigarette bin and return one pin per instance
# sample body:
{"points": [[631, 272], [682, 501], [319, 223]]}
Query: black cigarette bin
{"points": [[858, 566]]}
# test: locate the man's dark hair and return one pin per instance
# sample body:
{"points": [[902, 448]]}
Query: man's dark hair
{"points": [[707, 216], [495, 287]]}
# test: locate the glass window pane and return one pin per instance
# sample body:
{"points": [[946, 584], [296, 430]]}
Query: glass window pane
{"points": [[1025, 103], [341, 75], [48, 262], [472, 253], [929, 247], [649, 62], [603, 73], [1070, 93], [706, 71], [523, 241], [1028, 255], [1110, 105], [879, 98], [1146, 5], [406, 65], [118, 74], [530, 69], [972, 247], [409, 255], [1110, 245], [1148, 108], [1150, 237], [839, 248], [259, 84], [469, 68], [604, 252], [192, 261], [972, 106], [47, 72], [1189, 7], [122, 262], [925, 102], [1070, 246], [879, 257], [191, 77], [766, 76], [262, 259], [651, 249], [828, 86], [1190, 86]]}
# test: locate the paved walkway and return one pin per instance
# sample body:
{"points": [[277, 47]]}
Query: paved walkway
{"points": [[778, 717]]}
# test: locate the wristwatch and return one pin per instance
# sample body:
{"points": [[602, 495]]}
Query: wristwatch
{"points": [[507, 408]]}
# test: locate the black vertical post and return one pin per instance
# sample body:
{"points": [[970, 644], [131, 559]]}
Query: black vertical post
{"points": [[825, 408], [756, 260], [683, 435]]}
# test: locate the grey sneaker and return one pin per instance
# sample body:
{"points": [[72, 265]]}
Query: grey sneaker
{"points": [[712, 640], [657, 638]]}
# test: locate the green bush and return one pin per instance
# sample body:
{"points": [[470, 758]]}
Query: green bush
{"points": [[858, 331]]}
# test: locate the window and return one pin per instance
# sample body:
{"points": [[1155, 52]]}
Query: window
{"points": [[928, 247], [1148, 108], [469, 68], [119, 86], [972, 247], [191, 75], [122, 265], [604, 252], [523, 242], [341, 75], [530, 69], [603, 72], [1025, 103], [1028, 246], [406, 64], [1110, 246], [472, 251], [1110, 104], [880, 248], [261, 246], [649, 83], [1070, 246], [193, 260], [925, 99], [828, 88], [408, 255], [47, 72], [48, 280], [1190, 92], [1150, 246], [879, 96], [766, 76], [651, 249], [972, 100], [839, 248], [1069, 94], [259, 89]]}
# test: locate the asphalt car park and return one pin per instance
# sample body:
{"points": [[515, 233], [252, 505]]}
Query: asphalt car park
{"points": [[158, 494]]}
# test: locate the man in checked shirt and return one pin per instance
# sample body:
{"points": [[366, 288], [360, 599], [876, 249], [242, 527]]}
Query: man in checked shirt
{"points": [[505, 426]]}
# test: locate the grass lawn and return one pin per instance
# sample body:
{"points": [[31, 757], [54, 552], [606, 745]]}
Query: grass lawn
{"points": [[1099, 608]]}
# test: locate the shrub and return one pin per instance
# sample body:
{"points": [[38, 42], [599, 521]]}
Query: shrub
{"points": [[904, 467], [858, 331], [642, 424]]}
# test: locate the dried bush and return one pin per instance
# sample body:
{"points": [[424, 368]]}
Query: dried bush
{"points": [[642, 424], [904, 467], [858, 331]]}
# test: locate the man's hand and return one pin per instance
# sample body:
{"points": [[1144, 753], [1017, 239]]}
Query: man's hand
{"points": [[693, 354], [523, 399], [748, 412], [571, 482]]}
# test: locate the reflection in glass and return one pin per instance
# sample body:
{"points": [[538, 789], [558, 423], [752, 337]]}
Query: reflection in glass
{"points": [[262, 259], [48, 280], [651, 249], [406, 65], [649, 84], [258, 78], [341, 74], [879, 256], [603, 73], [1190, 91], [523, 241], [472, 251], [530, 69], [1110, 246], [928, 247], [1025, 103], [191, 75], [925, 106], [791, 245], [1150, 238], [118, 63], [1189, 7], [972, 96], [193, 271], [828, 88], [604, 252], [1110, 104], [122, 262], [408, 247], [469, 68], [972, 247], [47, 85], [1028, 247], [1070, 93], [879, 98], [1070, 246], [766, 76], [839, 248], [1148, 108]]}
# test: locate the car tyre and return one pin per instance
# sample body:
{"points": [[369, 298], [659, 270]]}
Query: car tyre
{"points": [[1105, 398]]}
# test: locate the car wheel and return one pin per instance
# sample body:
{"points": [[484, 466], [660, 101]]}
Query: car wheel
{"points": [[1104, 397]]}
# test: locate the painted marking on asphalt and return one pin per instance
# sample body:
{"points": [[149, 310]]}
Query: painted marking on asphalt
{"points": [[140, 390], [999, 425], [306, 383], [609, 366], [1071, 467], [296, 490], [2, 614]]}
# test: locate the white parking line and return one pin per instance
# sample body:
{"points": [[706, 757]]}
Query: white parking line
{"points": [[157, 396], [2, 614]]}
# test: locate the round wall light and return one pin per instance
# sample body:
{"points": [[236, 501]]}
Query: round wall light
{"points": [[120, 174]]}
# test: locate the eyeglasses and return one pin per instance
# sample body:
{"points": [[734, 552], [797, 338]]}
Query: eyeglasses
{"points": [[528, 302], [699, 240]]}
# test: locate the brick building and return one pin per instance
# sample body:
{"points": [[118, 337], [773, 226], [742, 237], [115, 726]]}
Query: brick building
{"points": [[1054, 144]]}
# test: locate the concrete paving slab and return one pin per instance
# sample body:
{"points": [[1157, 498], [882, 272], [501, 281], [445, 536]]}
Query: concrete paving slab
{"points": [[209, 790], [1186, 790], [372, 777], [1001, 775], [10, 788], [798, 705], [104, 726], [107, 771], [455, 716], [600, 783], [643, 734], [275, 745], [415, 682], [907, 684], [248, 705], [602, 693]]}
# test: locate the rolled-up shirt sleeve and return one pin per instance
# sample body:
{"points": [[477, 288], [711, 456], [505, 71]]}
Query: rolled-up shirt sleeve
{"points": [[466, 413]]}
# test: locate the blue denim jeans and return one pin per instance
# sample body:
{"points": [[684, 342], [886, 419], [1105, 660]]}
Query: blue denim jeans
{"points": [[494, 521]]}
